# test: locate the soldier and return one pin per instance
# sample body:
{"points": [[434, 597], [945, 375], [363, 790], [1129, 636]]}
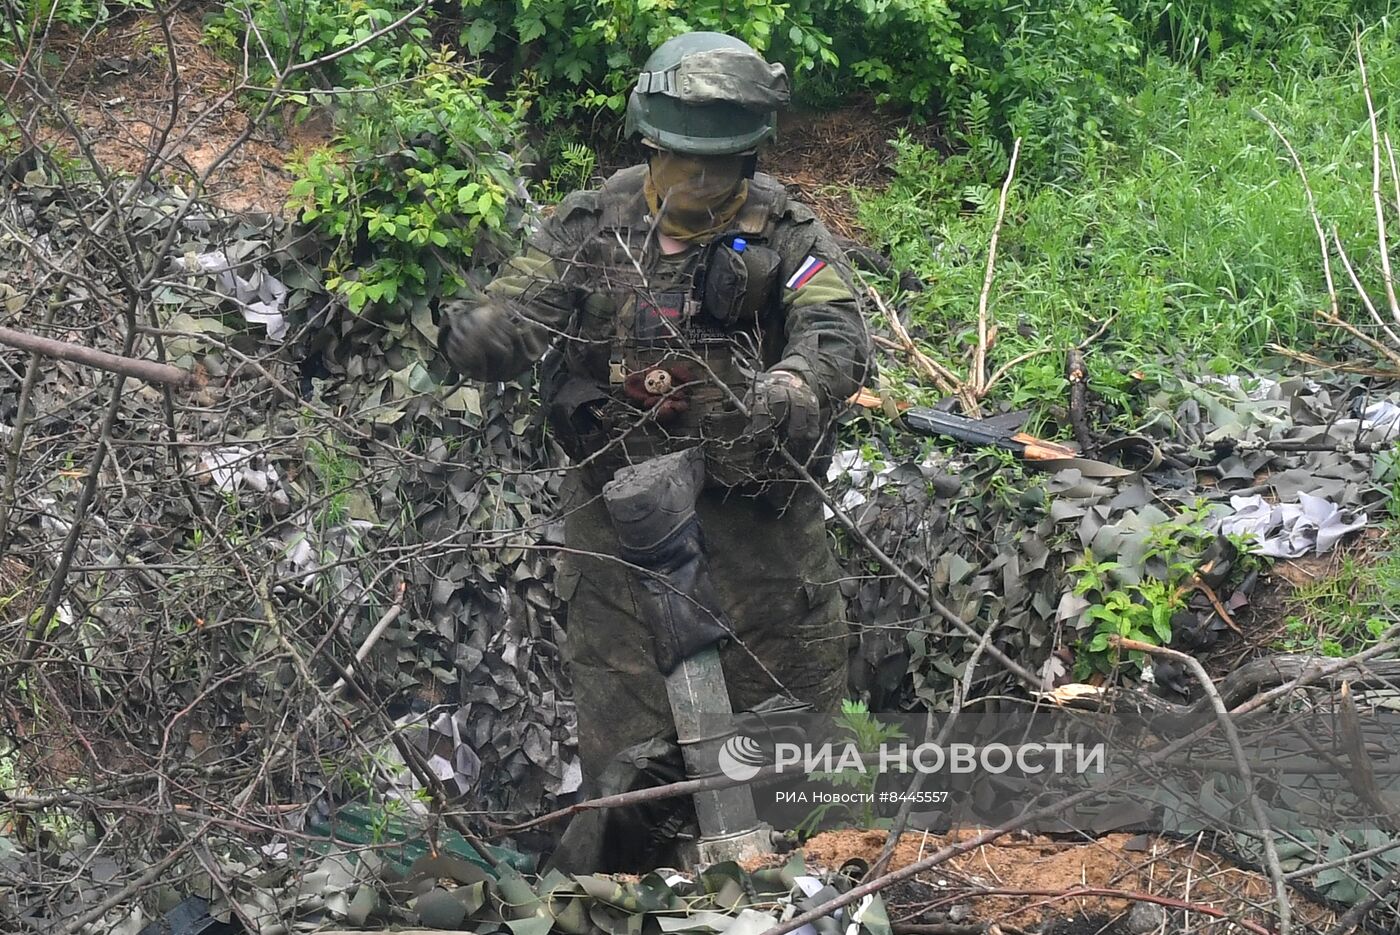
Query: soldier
{"points": [[695, 309]]}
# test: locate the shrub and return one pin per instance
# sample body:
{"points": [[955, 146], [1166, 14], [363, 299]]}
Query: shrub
{"points": [[583, 55], [415, 180], [277, 35]]}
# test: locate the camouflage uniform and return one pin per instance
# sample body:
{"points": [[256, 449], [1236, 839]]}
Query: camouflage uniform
{"points": [[594, 275], [690, 309]]}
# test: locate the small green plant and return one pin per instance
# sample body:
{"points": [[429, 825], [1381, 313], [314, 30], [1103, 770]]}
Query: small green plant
{"points": [[1142, 610], [337, 474], [1347, 610], [570, 169], [864, 733]]}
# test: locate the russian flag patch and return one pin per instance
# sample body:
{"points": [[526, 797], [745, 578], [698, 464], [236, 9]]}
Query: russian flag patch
{"points": [[809, 268]]}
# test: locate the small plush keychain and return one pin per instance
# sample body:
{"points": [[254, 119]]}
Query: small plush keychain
{"points": [[661, 387]]}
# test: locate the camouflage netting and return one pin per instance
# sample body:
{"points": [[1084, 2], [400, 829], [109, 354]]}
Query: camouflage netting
{"points": [[321, 462], [997, 539]]}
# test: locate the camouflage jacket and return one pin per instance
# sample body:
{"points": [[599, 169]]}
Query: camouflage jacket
{"points": [[654, 351]]}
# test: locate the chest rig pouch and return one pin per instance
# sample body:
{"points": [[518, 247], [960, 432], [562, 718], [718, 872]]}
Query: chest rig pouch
{"points": [[737, 279]]}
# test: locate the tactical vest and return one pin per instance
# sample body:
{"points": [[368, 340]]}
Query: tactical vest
{"points": [[661, 345]]}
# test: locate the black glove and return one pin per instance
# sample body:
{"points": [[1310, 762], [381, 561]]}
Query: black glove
{"points": [[480, 342], [783, 407]]}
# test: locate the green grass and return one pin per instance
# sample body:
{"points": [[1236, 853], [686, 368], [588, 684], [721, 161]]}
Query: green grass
{"points": [[1346, 611], [1190, 227]]}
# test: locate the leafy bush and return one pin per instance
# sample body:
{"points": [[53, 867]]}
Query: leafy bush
{"points": [[1047, 72], [584, 55], [414, 181], [1197, 27], [280, 34]]}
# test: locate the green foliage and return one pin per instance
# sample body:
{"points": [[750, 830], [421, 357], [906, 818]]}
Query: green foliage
{"points": [[28, 19], [1343, 612], [415, 179], [864, 733], [1193, 225], [1206, 27], [1142, 610], [279, 35], [1047, 73], [584, 55], [571, 168]]}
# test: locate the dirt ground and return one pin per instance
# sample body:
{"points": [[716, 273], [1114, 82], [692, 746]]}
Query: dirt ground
{"points": [[1038, 877], [822, 156], [118, 90]]}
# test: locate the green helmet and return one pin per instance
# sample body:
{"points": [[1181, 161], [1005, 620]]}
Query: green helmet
{"points": [[707, 94]]}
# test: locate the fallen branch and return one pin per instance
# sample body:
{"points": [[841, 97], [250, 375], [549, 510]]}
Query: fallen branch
{"points": [[943, 378], [1232, 737], [1342, 366], [634, 797], [1362, 775], [1385, 645], [148, 370], [1351, 920], [379, 630]]}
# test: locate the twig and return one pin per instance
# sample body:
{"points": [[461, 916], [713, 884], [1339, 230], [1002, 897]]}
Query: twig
{"points": [[1352, 858], [148, 370], [150, 874], [1376, 186], [1351, 919], [1361, 775], [1312, 210], [1077, 373], [978, 377], [380, 628], [906, 809], [1342, 366], [1232, 737], [1199, 584], [947, 382], [634, 797], [1006, 368], [354, 46], [1361, 290], [80, 509]]}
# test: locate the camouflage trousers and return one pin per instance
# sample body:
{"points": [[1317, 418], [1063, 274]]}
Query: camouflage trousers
{"points": [[778, 581]]}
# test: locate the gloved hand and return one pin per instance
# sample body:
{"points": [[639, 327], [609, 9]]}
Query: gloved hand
{"points": [[480, 341], [783, 407]]}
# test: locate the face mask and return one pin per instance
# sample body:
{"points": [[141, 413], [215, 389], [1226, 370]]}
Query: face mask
{"points": [[695, 197]]}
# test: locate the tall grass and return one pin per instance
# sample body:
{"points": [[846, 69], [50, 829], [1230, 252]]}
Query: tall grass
{"points": [[1189, 227]]}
